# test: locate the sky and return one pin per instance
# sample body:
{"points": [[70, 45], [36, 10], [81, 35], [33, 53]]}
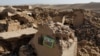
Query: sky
{"points": [[20, 2]]}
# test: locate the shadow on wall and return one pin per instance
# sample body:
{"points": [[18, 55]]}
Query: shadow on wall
{"points": [[13, 44]]}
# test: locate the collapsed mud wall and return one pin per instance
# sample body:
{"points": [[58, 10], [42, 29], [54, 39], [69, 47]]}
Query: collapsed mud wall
{"points": [[63, 41]]}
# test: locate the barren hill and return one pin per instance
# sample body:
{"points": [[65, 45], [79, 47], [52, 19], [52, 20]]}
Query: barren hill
{"points": [[92, 5]]}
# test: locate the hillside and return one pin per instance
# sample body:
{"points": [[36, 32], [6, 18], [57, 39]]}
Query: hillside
{"points": [[92, 5]]}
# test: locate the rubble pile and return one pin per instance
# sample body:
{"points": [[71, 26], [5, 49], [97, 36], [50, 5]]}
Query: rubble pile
{"points": [[63, 32], [66, 37], [86, 26], [88, 37], [64, 28]]}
